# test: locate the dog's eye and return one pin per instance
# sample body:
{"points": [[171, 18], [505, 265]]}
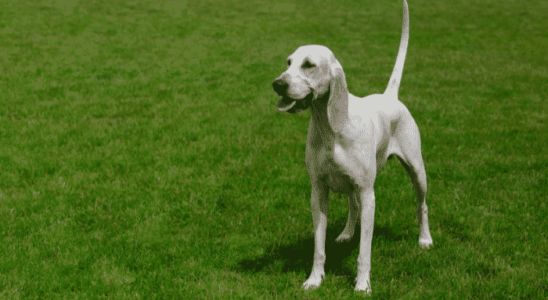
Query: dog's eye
{"points": [[308, 65], [289, 62]]}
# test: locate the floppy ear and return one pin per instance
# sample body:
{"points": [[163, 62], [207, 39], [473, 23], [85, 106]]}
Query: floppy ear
{"points": [[337, 106]]}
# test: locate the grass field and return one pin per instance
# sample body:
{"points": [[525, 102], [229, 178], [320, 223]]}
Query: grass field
{"points": [[142, 155]]}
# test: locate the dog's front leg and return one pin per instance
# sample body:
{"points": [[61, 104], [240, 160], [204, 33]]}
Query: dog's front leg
{"points": [[319, 206], [367, 201]]}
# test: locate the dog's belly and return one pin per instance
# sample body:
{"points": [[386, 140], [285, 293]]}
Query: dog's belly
{"points": [[339, 182]]}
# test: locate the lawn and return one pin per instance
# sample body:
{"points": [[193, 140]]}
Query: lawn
{"points": [[142, 155]]}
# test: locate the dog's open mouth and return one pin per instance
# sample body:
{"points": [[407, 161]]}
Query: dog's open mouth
{"points": [[293, 106]]}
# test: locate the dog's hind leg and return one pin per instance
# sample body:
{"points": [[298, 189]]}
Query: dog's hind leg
{"points": [[353, 214], [416, 171], [411, 158]]}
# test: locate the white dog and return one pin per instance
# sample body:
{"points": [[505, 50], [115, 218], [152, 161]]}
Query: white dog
{"points": [[349, 140]]}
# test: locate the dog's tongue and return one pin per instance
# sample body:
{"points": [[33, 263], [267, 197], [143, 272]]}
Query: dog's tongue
{"points": [[285, 104]]}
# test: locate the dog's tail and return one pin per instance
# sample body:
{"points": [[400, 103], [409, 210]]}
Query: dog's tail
{"points": [[395, 79]]}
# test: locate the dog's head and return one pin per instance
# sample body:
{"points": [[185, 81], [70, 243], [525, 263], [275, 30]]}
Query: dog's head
{"points": [[312, 72]]}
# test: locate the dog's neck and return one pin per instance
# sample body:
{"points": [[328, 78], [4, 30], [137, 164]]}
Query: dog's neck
{"points": [[330, 115]]}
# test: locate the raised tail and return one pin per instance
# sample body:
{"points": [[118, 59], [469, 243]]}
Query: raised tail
{"points": [[395, 79]]}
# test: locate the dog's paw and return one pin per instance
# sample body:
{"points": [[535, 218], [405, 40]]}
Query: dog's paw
{"points": [[363, 286], [343, 238], [426, 243], [313, 282]]}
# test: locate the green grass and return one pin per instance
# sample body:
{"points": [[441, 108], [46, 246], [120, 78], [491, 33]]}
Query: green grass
{"points": [[142, 155]]}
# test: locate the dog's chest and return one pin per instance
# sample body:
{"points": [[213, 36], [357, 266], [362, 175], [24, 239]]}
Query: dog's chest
{"points": [[333, 168]]}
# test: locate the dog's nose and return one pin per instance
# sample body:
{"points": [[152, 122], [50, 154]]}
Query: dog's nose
{"points": [[280, 86]]}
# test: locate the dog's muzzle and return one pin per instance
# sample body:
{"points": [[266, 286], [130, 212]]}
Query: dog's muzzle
{"points": [[280, 86], [287, 104], [292, 106]]}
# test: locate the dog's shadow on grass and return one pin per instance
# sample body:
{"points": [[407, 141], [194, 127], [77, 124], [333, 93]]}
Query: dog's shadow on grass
{"points": [[297, 255]]}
